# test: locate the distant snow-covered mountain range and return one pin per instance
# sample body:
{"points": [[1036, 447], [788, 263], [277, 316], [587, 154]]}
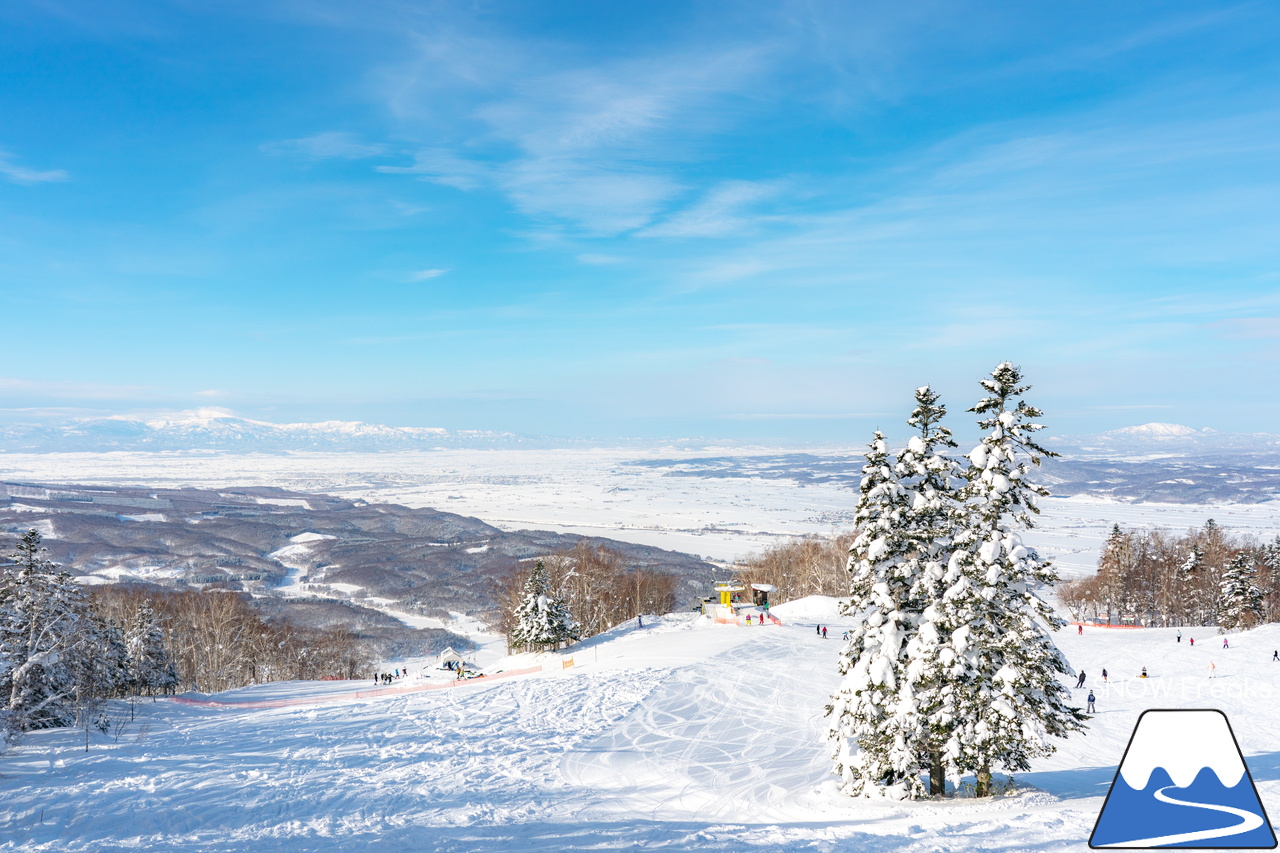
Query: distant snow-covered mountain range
{"points": [[222, 430], [1158, 440], [218, 429]]}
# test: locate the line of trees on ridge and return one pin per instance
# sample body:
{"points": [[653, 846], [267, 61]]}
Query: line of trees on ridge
{"points": [[1206, 576], [574, 594]]}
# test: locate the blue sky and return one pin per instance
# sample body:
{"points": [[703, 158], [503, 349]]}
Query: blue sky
{"points": [[753, 221]]}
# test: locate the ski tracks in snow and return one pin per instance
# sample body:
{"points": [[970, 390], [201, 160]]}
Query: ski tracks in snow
{"points": [[740, 729]]}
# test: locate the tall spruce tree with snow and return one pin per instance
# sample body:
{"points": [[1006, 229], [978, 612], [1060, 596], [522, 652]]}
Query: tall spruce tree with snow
{"points": [[99, 672], [1111, 571], [42, 617], [1000, 662], [1269, 580], [1239, 599], [931, 476], [150, 667], [870, 724], [542, 621], [879, 717], [1189, 584]]}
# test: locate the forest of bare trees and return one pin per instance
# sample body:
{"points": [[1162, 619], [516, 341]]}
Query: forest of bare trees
{"points": [[811, 565], [217, 641], [1206, 576], [595, 582]]}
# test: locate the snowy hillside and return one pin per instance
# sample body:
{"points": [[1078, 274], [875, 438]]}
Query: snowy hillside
{"points": [[680, 735]]}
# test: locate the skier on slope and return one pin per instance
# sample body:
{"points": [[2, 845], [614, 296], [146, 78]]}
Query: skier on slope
{"points": [[1090, 709]]}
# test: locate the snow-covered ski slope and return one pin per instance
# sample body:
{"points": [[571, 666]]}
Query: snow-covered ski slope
{"points": [[679, 736]]}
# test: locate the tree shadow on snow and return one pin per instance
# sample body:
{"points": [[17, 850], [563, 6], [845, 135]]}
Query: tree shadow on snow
{"points": [[1078, 783]]}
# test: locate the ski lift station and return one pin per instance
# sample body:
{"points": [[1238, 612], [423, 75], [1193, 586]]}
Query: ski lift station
{"points": [[741, 604]]}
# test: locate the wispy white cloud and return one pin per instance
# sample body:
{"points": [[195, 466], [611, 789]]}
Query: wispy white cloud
{"points": [[720, 212], [22, 175], [593, 148], [212, 393], [441, 166], [324, 146], [426, 275]]}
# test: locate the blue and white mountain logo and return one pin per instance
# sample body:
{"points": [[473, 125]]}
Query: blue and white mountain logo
{"points": [[1183, 783]]}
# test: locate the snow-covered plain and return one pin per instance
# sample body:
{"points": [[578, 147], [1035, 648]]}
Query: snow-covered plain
{"points": [[682, 735], [600, 492]]}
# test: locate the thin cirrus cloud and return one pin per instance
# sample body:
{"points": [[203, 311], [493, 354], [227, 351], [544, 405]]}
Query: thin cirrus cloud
{"points": [[722, 211], [592, 148], [441, 166], [324, 146], [427, 275], [22, 175]]}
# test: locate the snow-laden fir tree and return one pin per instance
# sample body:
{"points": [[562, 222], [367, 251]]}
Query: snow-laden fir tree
{"points": [[43, 615], [1000, 660], [871, 716], [931, 477], [150, 667], [1111, 565], [879, 717], [1239, 599], [1269, 580], [1188, 584], [542, 621], [99, 672]]}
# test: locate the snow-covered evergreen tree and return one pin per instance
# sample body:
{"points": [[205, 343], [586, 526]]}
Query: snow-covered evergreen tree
{"points": [[150, 667], [1111, 571], [1269, 580], [542, 621], [42, 620], [871, 715], [879, 718], [100, 671], [1189, 586], [1239, 599], [931, 477], [1000, 663]]}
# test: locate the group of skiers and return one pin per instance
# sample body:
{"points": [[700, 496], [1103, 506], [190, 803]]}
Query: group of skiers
{"points": [[1213, 668]]}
